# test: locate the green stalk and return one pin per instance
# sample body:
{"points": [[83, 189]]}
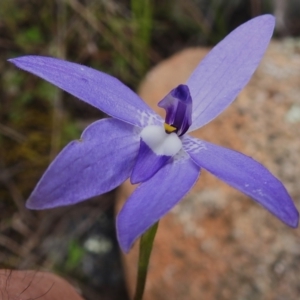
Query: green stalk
{"points": [[146, 244], [142, 24]]}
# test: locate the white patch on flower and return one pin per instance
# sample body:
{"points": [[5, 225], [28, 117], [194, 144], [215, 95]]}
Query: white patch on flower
{"points": [[147, 118], [137, 132], [160, 142], [193, 145], [180, 156]]}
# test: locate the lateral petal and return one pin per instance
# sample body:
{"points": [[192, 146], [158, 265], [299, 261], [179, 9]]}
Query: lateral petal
{"points": [[97, 163], [227, 68], [154, 198], [94, 87], [245, 174]]}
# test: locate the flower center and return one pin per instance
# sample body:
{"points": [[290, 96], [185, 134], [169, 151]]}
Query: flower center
{"points": [[178, 107], [165, 140], [156, 149], [161, 142]]}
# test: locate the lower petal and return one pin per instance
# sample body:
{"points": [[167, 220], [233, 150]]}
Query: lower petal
{"points": [[246, 175], [97, 163], [154, 198]]}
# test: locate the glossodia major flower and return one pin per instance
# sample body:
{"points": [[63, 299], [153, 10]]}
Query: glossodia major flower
{"points": [[157, 154]]}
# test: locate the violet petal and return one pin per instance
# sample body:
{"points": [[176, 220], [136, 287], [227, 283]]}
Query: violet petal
{"points": [[154, 198], [227, 68], [94, 87], [97, 163], [245, 174]]}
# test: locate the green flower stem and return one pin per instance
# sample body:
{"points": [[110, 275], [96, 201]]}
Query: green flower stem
{"points": [[146, 244]]}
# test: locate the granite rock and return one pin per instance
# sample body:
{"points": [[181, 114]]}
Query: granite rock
{"points": [[217, 243]]}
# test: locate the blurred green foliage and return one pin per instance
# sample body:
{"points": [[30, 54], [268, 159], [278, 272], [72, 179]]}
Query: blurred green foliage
{"points": [[75, 254]]}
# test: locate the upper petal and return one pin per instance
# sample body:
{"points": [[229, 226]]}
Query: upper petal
{"points": [[97, 163], [245, 174], [154, 198], [94, 87], [227, 68]]}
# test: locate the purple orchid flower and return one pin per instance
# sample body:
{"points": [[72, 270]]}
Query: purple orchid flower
{"points": [[156, 154]]}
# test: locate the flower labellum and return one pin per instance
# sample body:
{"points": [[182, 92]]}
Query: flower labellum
{"points": [[157, 154]]}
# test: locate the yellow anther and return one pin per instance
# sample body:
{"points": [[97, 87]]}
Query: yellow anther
{"points": [[169, 128]]}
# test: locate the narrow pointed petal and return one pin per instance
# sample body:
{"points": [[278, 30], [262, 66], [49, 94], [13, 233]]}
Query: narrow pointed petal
{"points": [[246, 175], [154, 198], [227, 68], [97, 163], [94, 87]]}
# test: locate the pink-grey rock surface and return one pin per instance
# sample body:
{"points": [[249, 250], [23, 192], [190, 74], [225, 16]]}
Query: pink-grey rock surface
{"points": [[217, 243]]}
